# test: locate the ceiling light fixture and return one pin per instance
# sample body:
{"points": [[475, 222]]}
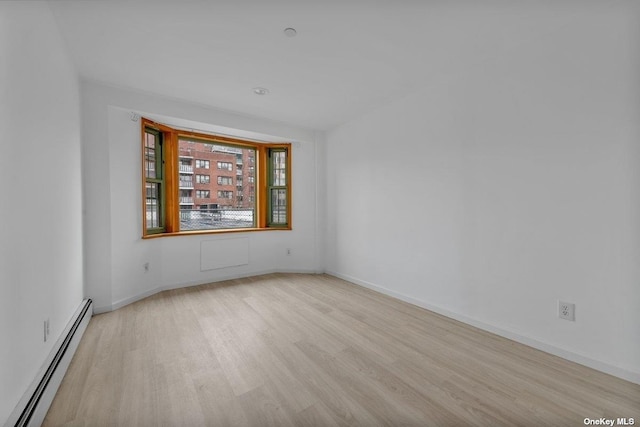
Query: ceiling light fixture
{"points": [[260, 90], [290, 32]]}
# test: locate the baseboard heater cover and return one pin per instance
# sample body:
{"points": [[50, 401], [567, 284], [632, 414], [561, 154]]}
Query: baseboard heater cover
{"points": [[33, 407]]}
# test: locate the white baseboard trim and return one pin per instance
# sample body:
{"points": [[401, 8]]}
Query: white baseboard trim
{"points": [[32, 408], [598, 365], [129, 300]]}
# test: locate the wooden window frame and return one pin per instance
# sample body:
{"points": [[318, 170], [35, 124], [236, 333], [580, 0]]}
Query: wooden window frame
{"points": [[170, 204]]}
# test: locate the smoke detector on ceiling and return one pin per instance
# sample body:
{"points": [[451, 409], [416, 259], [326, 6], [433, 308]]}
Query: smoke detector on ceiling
{"points": [[260, 90], [290, 32]]}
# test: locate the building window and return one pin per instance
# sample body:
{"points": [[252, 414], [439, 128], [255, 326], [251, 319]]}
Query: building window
{"points": [[203, 179], [186, 181], [186, 166], [202, 164], [185, 197], [225, 180], [225, 165], [171, 204]]}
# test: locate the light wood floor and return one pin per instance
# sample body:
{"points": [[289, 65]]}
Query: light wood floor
{"points": [[306, 350]]}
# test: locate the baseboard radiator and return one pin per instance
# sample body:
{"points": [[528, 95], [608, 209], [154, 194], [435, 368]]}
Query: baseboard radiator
{"points": [[33, 406]]}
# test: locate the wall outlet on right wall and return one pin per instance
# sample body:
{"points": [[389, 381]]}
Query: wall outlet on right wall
{"points": [[567, 311]]}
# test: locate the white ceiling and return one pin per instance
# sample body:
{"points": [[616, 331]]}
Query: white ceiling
{"points": [[348, 56]]}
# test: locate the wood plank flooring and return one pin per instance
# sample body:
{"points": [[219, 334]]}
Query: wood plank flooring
{"points": [[313, 350]]}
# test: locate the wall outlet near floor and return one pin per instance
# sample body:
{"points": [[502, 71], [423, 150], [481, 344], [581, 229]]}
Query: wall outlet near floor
{"points": [[288, 251], [567, 311], [146, 267]]}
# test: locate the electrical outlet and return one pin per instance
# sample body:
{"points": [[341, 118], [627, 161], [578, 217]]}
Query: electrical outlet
{"points": [[288, 251], [566, 311], [146, 267]]}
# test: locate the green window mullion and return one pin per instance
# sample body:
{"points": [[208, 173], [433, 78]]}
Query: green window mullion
{"points": [[155, 188]]}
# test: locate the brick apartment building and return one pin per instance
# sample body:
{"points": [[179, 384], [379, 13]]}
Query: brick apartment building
{"points": [[215, 177]]}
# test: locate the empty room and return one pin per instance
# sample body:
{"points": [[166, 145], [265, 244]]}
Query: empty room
{"points": [[320, 213]]}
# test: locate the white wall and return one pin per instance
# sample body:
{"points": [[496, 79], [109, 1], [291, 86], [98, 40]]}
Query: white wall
{"points": [[495, 192], [40, 184], [115, 253]]}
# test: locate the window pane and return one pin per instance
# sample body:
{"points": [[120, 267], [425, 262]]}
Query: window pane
{"points": [[278, 168], [153, 205], [150, 155], [150, 140], [279, 206], [222, 202], [202, 179]]}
